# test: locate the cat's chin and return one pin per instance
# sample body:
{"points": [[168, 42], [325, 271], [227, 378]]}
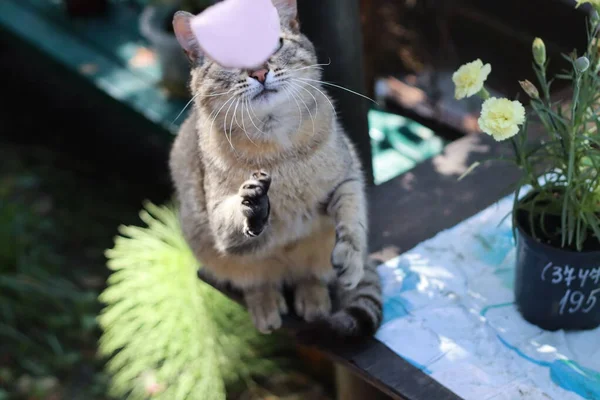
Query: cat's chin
{"points": [[268, 99]]}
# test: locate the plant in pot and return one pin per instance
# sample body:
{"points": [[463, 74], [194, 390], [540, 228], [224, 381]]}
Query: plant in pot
{"points": [[156, 26], [556, 212]]}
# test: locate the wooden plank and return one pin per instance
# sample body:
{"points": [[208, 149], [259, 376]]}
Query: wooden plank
{"points": [[429, 198], [351, 386], [104, 73]]}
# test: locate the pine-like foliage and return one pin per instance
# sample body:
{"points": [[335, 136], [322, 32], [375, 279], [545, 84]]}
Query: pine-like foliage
{"points": [[169, 335]]}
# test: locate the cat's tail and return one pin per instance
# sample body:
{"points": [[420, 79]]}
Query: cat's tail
{"points": [[359, 311]]}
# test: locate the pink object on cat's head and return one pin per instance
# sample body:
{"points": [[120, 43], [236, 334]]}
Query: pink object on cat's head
{"points": [[238, 33]]}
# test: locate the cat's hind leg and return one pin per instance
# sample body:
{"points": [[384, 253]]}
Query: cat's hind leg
{"points": [[266, 305], [310, 272], [311, 299]]}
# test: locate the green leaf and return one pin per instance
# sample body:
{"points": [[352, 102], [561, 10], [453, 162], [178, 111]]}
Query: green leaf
{"points": [[594, 222], [469, 170]]}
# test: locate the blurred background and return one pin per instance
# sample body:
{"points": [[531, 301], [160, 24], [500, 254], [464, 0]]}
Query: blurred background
{"points": [[90, 92]]}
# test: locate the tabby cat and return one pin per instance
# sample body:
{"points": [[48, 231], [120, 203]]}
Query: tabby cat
{"points": [[271, 190]]}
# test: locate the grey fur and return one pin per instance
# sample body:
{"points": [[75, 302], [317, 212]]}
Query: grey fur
{"points": [[307, 227]]}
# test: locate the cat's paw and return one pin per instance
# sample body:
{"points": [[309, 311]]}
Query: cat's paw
{"points": [[312, 301], [348, 262], [266, 305], [255, 203]]}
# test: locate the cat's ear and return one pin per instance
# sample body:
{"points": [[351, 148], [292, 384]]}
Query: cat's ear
{"points": [[288, 12], [185, 36]]}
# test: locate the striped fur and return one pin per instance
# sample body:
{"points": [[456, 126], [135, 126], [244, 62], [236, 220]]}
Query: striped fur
{"points": [[271, 190], [359, 312]]}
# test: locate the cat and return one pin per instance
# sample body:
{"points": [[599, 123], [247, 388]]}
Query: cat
{"points": [[270, 189]]}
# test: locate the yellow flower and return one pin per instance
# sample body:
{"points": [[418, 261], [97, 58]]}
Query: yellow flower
{"points": [[469, 78], [500, 118]]}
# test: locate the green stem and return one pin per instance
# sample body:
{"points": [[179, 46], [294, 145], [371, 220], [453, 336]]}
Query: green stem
{"points": [[545, 87], [523, 162], [484, 94], [571, 166], [576, 91]]}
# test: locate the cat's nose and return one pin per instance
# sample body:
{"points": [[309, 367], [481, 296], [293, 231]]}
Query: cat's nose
{"points": [[260, 74]]}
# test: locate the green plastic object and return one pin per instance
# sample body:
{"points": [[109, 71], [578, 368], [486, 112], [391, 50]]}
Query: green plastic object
{"points": [[399, 144]]}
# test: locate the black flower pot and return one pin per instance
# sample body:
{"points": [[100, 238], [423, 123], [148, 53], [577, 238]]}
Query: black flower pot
{"points": [[556, 288]]}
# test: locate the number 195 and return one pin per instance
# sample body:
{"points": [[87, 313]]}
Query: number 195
{"points": [[574, 301]]}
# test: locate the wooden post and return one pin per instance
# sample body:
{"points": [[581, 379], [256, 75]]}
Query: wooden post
{"points": [[351, 387], [334, 27]]}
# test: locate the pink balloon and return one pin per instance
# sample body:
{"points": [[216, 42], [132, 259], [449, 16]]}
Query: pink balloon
{"points": [[238, 33]]}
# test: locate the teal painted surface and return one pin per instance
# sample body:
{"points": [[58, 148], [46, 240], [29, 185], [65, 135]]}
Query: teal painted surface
{"points": [[115, 35], [572, 376], [567, 374], [104, 66], [399, 144]]}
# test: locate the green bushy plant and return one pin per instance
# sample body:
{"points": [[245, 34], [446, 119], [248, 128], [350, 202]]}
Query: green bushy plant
{"points": [[169, 335]]}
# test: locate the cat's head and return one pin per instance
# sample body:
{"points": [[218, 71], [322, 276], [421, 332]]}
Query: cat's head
{"points": [[285, 82]]}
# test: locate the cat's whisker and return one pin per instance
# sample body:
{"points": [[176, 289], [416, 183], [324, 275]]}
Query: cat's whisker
{"points": [[303, 68], [252, 109], [311, 95], [235, 114], [225, 125], [245, 103], [339, 87], [307, 109], [255, 115], [233, 118], [290, 93], [324, 95], [250, 116], [312, 66], [194, 98], [217, 114], [212, 114], [305, 105], [184, 108]]}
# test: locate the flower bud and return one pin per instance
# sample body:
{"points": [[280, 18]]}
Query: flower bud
{"points": [[530, 89], [539, 52], [582, 64]]}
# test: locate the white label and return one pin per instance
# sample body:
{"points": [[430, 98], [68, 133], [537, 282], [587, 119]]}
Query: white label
{"points": [[574, 300]]}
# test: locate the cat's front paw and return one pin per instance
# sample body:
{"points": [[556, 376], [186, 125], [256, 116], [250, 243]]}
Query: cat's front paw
{"points": [[348, 262], [255, 203]]}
